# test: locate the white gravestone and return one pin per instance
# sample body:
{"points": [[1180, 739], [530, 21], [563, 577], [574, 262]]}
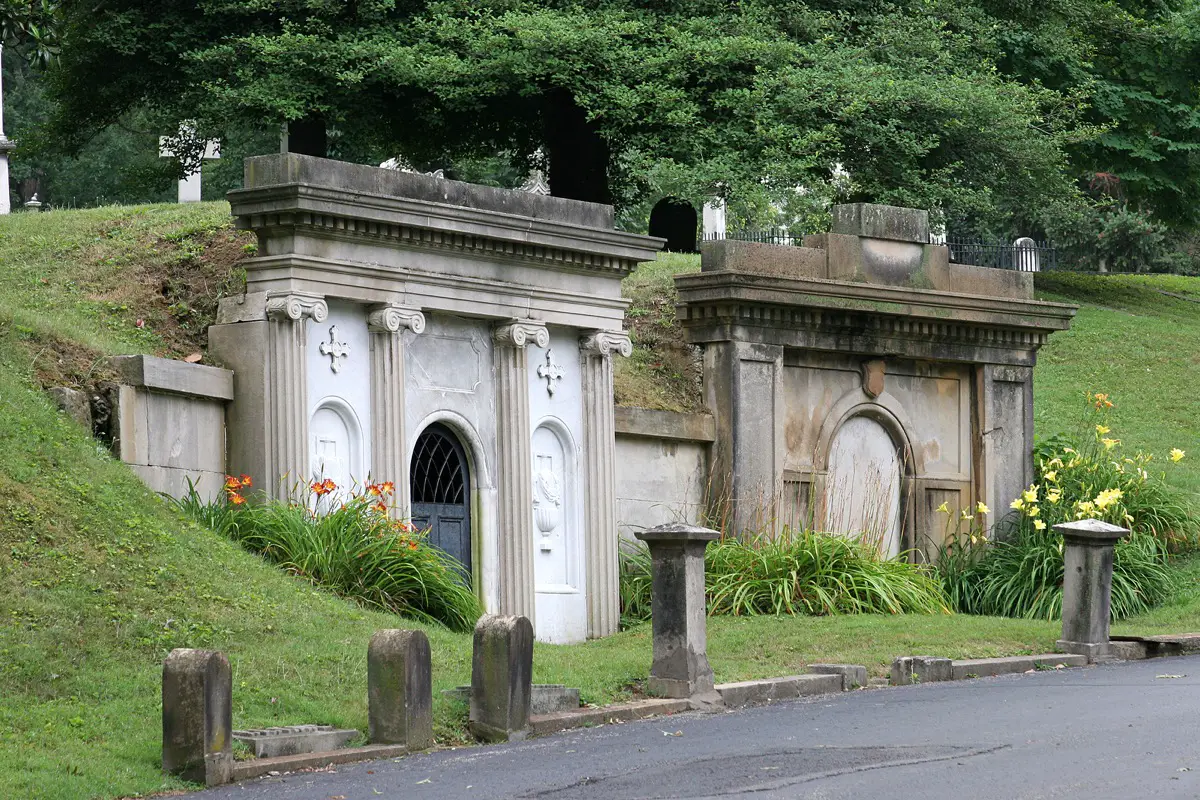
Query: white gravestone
{"points": [[713, 219], [1025, 254], [189, 185]]}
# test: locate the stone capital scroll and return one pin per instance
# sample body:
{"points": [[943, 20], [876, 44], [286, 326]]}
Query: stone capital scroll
{"points": [[393, 319], [606, 343], [296, 306], [519, 333]]}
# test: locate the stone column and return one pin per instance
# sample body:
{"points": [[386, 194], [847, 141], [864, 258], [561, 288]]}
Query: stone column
{"points": [[197, 716], [1005, 438], [680, 667], [389, 452], [399, 689], [1087, 586], [514, 459], [287, 388], [600, 480], [501, 678]]}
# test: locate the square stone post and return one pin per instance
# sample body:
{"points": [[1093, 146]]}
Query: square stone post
{"points": [[287, 388], [680, 667], [389, 454], [514, 449], [400, 689], [600, 479], [197, 708], [501, 678], [1087, 586]]}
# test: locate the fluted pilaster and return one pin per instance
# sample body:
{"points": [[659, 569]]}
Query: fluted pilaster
{"points": [[389, 456], [600, 479], [514, 474], [287, 388]]}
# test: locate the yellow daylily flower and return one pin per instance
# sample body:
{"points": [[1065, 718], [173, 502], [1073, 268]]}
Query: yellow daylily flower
{"points": [[1054, 495], [1039, 525], [1102, 429], [1030, 494], [1033, 511], [1018, 504], [944, 508], [1107, 497], [1052, 475], [1109, 444], [966, 515], [980, 508], [1176, 455]]}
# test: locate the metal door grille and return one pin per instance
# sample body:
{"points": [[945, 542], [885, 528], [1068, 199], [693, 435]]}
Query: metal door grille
{"points": [[438, 468]]}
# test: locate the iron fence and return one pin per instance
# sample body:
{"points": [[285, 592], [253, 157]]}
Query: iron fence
{"points": [[767, 236], [1023, 255]]}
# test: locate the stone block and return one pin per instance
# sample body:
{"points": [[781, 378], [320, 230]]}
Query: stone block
{"points": [[75, 404], [892, 223], [757, 258], [501, 678], [680, 667], [967, 279], [294, 740], [169, 375], [664, 424], [400, 689], [987, 667], [921, 669], [1125, 650], [197, 703], [744, 693], [854, 676]]}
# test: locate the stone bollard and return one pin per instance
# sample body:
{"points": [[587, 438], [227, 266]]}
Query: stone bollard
{"points": [[908, 670], [680, 667], [400, 689], [1087, 586], [197, 700], [501, 678]]}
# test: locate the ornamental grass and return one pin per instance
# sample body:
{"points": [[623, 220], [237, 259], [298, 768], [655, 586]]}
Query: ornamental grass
{"points": [[345, 542], [797, 572]]}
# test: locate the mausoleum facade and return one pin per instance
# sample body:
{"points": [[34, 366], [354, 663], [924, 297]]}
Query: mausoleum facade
{"points": [[456, 340]]}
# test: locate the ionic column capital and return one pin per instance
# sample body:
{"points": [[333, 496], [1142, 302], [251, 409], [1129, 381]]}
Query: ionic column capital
{"points": [[518, 333], [392, 318], [606, 343], [296, 306]]}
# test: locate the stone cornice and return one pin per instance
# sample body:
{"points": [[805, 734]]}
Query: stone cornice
{"points": [[296, 306], [519, 333], [391, 318], [606, 343], [329, 212]]}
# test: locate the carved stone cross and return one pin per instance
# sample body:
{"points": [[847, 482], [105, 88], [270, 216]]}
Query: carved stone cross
{"points": [[551, 372], [335, 350]]}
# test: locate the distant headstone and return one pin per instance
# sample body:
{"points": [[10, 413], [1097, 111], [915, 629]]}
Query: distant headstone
{"points": [[400, 689], [197, 703], [1087, 585], [1025, 255], [501, 678], [680, 667], [189, 185], [713, 219]]}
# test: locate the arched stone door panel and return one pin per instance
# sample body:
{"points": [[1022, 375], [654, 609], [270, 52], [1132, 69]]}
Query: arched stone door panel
{"points": [[440, 486], [863, 484]]}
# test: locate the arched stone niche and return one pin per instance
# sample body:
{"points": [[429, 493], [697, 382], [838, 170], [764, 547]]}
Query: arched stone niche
{"points": [[558, 547], [674, 219], [336, 444]]}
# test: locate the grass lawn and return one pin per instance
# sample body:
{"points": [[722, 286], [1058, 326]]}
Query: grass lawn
{"points": [[99, 579]]}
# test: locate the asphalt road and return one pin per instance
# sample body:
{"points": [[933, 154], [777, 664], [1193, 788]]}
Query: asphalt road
{"points": [[1121, 730]]}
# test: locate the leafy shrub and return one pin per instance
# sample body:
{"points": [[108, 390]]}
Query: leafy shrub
{"points": [[351, 548], [796, 572], [1082, 477]]}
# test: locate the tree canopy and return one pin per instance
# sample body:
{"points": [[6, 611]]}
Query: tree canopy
{"points": [[998, 113]]}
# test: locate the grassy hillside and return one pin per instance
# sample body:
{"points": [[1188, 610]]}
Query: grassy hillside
{"points": [[99, 578]]}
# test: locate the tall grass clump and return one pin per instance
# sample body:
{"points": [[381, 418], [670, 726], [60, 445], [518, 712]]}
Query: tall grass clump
{"points": [[350, 547], [797, 572], [1086, 476]]}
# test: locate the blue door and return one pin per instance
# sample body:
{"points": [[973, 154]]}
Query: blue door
{"points": [[441, 492]]}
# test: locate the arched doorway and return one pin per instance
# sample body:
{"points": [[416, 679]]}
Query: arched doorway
{"points": [[863, 484], [674, 220], [440, 486]]}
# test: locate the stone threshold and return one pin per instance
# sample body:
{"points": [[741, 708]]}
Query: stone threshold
{"points": [[1008, 665], [256, 768], [543, 724], [745, 693]]}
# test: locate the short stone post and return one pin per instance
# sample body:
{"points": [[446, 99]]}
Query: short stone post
{"points": [[1087, 586], [197, 699], [680, 667], [501, 678], [400, 689]]}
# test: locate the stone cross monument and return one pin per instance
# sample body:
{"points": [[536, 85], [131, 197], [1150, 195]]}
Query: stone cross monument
{"points": [[189, 185]]}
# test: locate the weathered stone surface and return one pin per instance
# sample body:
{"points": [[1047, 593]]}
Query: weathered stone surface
{"points": [[680, 667], [785, 261], [586, 717], [854, 676], [294, 740], [744, 693], [664, 424], [967, 279], [1087, 585], [169, 375], [197, 702], [1124, 650], [501, 678], [400, 689], [987, 667], [921, 669], [74, 403], [544, 698], [882, 222], [254, 768]]}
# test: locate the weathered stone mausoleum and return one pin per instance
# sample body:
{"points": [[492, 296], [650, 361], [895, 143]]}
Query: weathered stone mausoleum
{"points": [[861, 381], [399, 326]]}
